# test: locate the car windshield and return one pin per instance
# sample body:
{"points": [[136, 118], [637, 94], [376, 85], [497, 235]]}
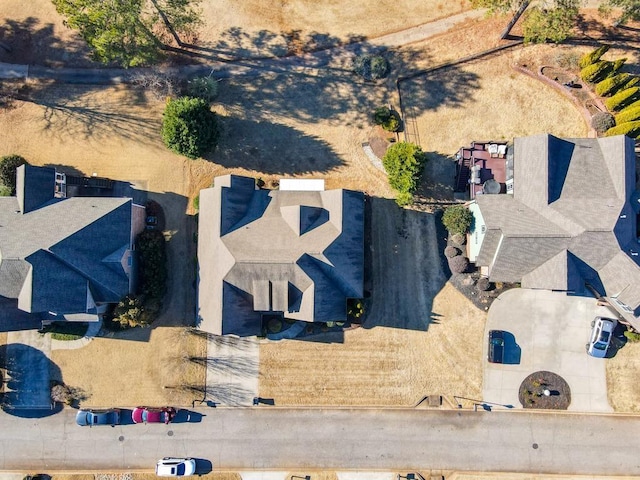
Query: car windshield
{"points": [[180, 469]]}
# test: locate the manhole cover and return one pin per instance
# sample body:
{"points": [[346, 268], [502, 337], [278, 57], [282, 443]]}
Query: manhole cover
{"points": [[170, 433], [535, 446], [121, 438]]}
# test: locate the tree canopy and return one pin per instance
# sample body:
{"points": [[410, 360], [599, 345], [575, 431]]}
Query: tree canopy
{"points": [[403, 163], [549, 25], [189, 127], [630, 9], [457, 219], [128, 32]]}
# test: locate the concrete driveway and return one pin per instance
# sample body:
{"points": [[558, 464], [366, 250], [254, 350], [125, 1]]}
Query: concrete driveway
{"points": [[550, 330]]}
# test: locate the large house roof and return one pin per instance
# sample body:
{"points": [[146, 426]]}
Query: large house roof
{"points": [[63, 255], [570, 217], [296, 253]]}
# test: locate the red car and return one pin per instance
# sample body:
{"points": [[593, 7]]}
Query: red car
{"points": [[153, 415]]}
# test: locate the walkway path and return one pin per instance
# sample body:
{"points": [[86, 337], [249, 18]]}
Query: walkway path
{"points": [[241, 67]]}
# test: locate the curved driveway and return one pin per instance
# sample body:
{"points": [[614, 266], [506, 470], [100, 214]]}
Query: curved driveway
{"points": [[340, 439]]}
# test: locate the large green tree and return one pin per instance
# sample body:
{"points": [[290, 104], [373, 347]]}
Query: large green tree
{"points": [[129, 32], [403, 163], [189, 127], [630, 9]]}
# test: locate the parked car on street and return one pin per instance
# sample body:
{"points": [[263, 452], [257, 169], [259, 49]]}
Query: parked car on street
{"points": [[98, 417], [496, 346], [601, 332], [175, 467], [153, 415]]}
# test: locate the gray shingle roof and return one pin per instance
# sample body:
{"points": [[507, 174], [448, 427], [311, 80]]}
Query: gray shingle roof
{"points": [[64, 253], [569, 218], [296, 253]]}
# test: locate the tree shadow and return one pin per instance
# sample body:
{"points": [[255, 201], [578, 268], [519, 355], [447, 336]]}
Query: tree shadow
{"points": [[437, 178], [85, 111], [447, 87], [27, 381], [229, 394], [31, 42], [272, 148], [407, 268], [232, 365]]}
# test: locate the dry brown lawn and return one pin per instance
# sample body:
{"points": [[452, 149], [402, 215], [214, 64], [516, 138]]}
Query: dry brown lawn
{"points": [[381, 366], [133, 371], [623, 388]]}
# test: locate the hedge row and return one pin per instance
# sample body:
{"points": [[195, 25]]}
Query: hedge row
{"points": [[630, 129], [596, 72], [592, 57], [622, 99], [629, 114]]}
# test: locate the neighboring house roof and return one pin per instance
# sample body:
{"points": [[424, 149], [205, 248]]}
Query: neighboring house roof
{"points": [[298, 253], [64, 255], [569, 220]]}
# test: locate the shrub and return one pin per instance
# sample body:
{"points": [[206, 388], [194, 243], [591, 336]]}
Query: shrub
{"points": [[274, 325], [5, 191], [196, 203], [602, 121], [65, 331], [548, 25], [596, 72], [617, 65], [451, 251], [629, 114], [387, 119], [189, 127], [404, 163], [8, 166], [458, 264], [371, 67], [355, 308], [60, 393], [592, 57], [205, 88], [459, 239], [632, 336], [630, 129], [457, 219], [622, 99], [610, 85], [130, 312], [483, 284]]}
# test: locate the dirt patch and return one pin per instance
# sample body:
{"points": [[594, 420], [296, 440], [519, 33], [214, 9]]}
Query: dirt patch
{"points": [[623, 389], [534, 388]]}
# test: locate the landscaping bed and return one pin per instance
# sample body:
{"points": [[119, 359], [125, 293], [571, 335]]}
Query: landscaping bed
{"points": [[545, 390]]}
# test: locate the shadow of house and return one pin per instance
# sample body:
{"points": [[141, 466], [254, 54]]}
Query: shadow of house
{"points": [[27, 382], [570, 224], [296, 254], [64, 258], [407, 270]]}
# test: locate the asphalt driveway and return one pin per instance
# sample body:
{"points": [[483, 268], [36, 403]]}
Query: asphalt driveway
{"points": [[549, 331]]}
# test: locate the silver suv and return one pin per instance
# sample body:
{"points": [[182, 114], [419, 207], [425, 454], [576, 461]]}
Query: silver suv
{"points": [[601, 333]]}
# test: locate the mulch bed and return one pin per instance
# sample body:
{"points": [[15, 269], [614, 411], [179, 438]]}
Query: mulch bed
{"points": [[531, 392]]}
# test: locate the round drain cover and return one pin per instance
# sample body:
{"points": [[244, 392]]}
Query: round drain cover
{"points": [[170, 433], [535, 446], [121, 438]]}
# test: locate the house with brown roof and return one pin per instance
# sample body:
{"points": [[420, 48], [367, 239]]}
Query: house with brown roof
{"points": [[295, 254], [569, 223]]}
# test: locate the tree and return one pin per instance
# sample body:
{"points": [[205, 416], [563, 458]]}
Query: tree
{"points": [[457, 219], [551, 20], [8, 166], [630, 10], [189, 127], [403, 163], [548, 25], [128, 32]]}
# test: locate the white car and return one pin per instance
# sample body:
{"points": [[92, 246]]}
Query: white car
{"points": [[175, 467], [601, 333]]}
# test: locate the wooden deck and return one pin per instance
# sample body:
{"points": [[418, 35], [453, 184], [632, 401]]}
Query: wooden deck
{"points": [[481, 162]]}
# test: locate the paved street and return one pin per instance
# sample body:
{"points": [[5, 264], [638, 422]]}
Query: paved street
{"points": [[356, 439]]}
